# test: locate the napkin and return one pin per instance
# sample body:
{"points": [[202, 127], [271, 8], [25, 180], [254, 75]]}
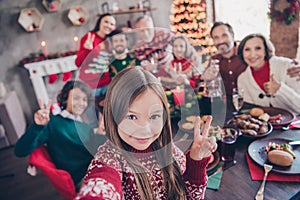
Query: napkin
{"points": [[215, 177], [215, 180], [257, 173], [290, 126]]}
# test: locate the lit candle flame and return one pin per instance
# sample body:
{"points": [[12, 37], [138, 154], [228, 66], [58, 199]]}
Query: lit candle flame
{"points": [[43, 43]]}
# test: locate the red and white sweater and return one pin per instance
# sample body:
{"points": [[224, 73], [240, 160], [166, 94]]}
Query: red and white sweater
{"points": [[160, 45], [110, 177]]}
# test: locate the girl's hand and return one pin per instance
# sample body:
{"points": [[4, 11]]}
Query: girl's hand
{"points": [[89, 41], [203, 146], [272, 86], [41, 117]]}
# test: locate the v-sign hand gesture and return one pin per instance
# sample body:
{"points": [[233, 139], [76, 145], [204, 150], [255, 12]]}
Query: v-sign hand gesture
{"points": [[203, 146], [89, 41], [41, 117]]}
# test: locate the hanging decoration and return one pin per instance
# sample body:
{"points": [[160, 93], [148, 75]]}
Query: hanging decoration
{"points": [[189, 18], [287, 15]]}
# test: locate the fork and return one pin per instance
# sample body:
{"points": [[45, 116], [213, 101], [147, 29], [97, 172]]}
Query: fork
{"points": [[260, 192]]}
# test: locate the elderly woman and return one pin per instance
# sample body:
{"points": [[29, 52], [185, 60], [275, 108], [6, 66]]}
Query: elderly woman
{"points": [[265, 81]]}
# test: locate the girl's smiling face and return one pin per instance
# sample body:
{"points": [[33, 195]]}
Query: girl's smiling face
{"points": [[77, 102], [143, 122], [179, 48], [254, 53]]}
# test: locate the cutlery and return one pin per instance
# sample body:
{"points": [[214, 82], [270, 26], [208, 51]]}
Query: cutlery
{"points": [[297, 142], [288, 127], [260, 192]]}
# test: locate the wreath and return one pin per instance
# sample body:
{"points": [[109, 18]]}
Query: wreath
{"points": [[288, 14]]}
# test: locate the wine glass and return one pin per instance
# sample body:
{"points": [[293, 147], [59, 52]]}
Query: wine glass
{"points": [[237, 99]]}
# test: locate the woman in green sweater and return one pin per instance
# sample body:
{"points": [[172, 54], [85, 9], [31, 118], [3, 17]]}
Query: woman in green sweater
{"points": [[70, 142]]}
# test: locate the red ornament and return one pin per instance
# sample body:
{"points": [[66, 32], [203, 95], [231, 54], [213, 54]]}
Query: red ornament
{"points": [[82, 20], [52, 6]]}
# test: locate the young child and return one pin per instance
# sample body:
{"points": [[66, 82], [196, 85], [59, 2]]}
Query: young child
{"points": [[186, 62], [66, 136], [139, 160]]}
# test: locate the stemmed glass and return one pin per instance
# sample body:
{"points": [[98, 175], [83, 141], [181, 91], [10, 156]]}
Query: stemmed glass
{"points": [[237, 99]]}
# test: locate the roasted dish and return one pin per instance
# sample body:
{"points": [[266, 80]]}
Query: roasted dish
{"points": [[250, 125]]}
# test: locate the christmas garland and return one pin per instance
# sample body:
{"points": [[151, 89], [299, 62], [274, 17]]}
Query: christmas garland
{"points": [[36, 57], [288, 14]]}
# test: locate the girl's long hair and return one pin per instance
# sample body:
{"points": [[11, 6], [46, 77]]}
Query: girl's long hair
{"points": [[123, 90]]}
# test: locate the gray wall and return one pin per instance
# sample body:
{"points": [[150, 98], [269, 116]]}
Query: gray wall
{"points": [[57, 31]]}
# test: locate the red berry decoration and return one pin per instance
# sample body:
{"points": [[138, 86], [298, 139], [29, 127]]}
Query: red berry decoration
{"points": [[82, 20]]}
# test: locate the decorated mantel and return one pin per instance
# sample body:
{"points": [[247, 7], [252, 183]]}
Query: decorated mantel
{"points": [[49, 66]]}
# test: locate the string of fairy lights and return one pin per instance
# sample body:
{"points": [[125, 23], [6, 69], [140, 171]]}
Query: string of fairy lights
{"points": [[188, 18]]}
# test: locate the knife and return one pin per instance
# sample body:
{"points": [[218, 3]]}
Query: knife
{"points": [[297, 142]]}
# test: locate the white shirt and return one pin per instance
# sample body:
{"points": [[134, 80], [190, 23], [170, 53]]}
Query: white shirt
{"points": [[66, 114]]}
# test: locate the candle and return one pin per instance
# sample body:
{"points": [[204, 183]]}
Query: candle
{"points": [[43, 44], [179, 68], [179, 98], [76, 43]]}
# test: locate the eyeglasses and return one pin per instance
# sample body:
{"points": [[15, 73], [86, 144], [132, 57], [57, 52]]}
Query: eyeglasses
{"points": [[261, 95]]}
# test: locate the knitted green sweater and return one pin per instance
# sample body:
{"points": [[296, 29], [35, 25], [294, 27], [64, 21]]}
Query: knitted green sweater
{"points": [[70, 144]]}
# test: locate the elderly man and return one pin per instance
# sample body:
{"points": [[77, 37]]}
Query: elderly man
{"points": [[153, 49]]}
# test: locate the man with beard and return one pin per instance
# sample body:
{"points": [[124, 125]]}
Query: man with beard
{"points": [[230, 66], [121, 58]]}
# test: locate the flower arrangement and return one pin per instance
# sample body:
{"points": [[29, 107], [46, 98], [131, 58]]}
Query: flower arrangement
{"points": [[287, 15]]}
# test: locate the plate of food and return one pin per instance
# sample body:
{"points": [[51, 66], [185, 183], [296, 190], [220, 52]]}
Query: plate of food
{"points": [[250, 126], [187, 124], [278, 116], [277, 152], [214, 161]]}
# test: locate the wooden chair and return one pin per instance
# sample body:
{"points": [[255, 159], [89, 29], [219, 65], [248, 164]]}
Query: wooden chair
{"points": [[60, 179]]}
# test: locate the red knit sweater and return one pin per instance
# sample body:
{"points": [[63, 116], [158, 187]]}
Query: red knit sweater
{"points": [[158, 45], [110, 177]]}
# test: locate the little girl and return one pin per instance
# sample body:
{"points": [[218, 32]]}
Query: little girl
{"points": [[186, 62], [139, 160], [66, 135]]}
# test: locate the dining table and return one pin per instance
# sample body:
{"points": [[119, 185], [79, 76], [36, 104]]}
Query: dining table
{"points": [[236, 182]]}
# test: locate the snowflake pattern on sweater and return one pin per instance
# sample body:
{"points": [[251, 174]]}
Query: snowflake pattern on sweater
{"points": [[110, 177]]}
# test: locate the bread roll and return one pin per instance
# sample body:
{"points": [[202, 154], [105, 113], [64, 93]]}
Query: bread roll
{"points": [[265, 117], [256, 112], [281, 158]]}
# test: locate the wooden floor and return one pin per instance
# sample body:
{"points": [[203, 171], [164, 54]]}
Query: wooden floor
{"points": [[16, 184]]}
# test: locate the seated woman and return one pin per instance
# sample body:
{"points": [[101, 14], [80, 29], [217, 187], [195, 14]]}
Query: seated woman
{"points": [[184, 66], [265, 81], [70, 142]]}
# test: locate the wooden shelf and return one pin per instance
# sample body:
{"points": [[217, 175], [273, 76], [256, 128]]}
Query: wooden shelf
{"points": [[135, 10]]}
